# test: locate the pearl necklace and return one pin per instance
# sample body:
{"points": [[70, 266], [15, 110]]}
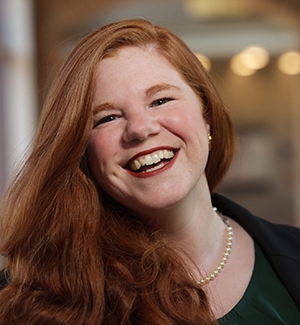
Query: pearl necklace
{"points": [[226, 254]]}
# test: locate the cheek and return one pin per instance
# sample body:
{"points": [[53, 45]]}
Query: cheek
{"points": [[194, 126], [102, 156]]}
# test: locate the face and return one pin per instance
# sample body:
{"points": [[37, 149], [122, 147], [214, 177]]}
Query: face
{"points": [[148, 148]]}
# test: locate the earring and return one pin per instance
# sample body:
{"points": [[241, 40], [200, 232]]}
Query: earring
{"points": [[209, 140]]}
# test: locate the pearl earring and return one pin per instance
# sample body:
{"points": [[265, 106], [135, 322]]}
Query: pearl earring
{"points": [[209, 140]]}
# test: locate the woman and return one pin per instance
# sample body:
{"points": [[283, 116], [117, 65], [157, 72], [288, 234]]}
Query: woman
{"points": [[111, 220]]}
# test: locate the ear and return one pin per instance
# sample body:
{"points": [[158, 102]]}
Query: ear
{"points": [[207, 120], [207, 127]]}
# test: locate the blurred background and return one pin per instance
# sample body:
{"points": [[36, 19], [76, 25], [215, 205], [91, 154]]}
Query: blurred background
{"points": [[250, 48]]}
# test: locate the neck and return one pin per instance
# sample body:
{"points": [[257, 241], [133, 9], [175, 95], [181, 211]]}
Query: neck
{"points": [[193, 227], [201, 233], [179, 220]]}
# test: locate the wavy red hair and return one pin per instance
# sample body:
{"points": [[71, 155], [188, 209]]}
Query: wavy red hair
{"points": [[68, 260]]}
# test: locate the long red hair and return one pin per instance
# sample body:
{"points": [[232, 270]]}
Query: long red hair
{"points": [[68, 260]]}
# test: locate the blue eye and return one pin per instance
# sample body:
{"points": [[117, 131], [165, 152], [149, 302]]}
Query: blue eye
{"points": [[161, 101]]}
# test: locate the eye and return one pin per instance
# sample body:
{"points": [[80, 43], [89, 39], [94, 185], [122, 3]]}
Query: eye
{"points": [[161, 101], [105, 119]]}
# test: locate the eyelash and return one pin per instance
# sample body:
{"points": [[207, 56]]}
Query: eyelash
{"points": [[161, 101], [105, 119], [109, 118]]}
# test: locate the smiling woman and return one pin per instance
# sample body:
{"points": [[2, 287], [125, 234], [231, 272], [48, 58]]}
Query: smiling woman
{"points": [[111, 218], [155, 112]]}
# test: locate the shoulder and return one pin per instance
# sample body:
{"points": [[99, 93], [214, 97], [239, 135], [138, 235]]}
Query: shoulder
{"points": [[245, 217], [280, 243], [276, 238]]}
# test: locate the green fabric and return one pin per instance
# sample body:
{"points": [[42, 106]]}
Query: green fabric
{"points": [[266, 301]]}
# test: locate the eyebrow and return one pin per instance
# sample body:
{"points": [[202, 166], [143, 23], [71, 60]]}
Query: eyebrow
{"points": [[160, 87], [150, 91], [102, 107]]}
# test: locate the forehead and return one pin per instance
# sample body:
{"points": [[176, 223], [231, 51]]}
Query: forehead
{"points": [[140, 54], [135, 64]]}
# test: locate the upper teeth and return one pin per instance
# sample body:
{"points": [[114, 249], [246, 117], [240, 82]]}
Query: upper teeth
{"points": [[151, 159]]}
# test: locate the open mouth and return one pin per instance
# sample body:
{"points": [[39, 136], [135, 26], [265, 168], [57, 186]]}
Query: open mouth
{"points": [[151, 162]]}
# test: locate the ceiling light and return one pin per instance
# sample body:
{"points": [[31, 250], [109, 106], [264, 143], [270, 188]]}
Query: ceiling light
{"points": [[248, 61], [216, 8], [255, 57], [205, 61], [238, 66], [289, 63]]}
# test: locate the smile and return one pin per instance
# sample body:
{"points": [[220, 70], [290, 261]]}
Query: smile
{"points": [[151, 162]]}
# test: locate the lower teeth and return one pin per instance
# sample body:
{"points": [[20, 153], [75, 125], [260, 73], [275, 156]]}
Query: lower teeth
{"points": [[156, 167]]}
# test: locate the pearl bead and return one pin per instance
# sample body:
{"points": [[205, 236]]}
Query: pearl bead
{"points": [[226, 254]]}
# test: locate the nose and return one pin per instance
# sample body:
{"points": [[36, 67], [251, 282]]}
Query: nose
{"points": [[140, 125]]}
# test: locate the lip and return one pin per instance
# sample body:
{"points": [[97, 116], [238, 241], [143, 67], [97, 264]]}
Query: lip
{"points": [[155, 172], [147, 152]]}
